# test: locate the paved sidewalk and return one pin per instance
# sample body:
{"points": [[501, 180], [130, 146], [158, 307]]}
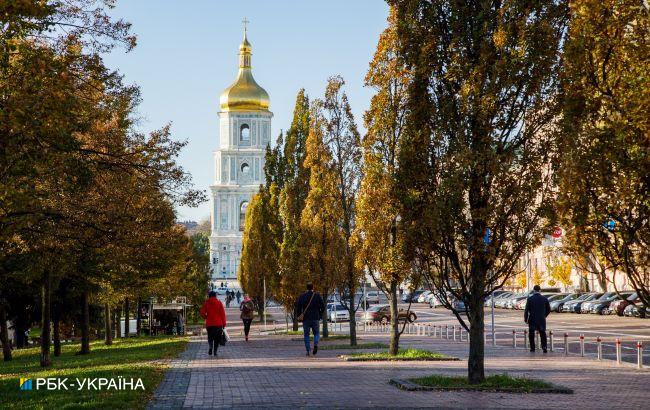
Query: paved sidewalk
{"points": [[272, 372]]}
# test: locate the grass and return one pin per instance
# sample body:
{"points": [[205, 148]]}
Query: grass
{"points": [[373, 345], [402, 354], [128, 358], [499, 382]]}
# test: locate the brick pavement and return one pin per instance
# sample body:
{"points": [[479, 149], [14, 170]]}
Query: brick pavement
{"points": [[272, 372]]}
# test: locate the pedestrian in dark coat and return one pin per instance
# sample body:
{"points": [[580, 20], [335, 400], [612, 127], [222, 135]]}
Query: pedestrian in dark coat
{"points": [[247, 309], [537, 308], [309, 310]]}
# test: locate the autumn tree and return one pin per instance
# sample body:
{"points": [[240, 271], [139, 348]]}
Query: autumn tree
{"points": [[293, 274], [325, 245], [260, 246], [604, 171], [379, 237], [474, 179]]}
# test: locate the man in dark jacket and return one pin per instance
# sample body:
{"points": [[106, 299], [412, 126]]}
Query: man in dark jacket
{"points": [[537, 308], [309, 309]]}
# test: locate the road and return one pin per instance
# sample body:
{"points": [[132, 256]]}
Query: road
{"points": [[609, 328]]}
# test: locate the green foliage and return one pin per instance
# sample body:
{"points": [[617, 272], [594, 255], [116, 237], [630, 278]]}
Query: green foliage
{"points": [[373, 345], [402, 354], [498, 381]]}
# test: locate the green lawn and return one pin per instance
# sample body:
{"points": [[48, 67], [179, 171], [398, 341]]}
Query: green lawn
{"points": [[128, 358], [402, 354], [372, 345], [496, 382]]}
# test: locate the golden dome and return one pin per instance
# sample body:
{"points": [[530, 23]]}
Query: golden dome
{"points": [[244, 94]]}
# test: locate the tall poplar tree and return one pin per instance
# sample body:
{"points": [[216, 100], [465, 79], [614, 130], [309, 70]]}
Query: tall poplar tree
{"points": [[324, 240], [342, 142], [379, 236], [474, 176], [293, 274]]}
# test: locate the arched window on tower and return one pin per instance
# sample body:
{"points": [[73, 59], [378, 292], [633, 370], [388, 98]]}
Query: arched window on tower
{"points": [[244, 133], [242, 215]]}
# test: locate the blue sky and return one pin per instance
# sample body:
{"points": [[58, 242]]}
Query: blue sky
{"points": [[187, 55]]}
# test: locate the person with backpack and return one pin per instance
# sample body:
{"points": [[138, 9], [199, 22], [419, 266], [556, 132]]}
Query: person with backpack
{"points": [[309, 311], [247, 314], [238, 296], [215, 321]]}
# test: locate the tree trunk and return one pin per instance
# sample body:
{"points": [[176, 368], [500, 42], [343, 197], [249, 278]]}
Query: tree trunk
{"points": [[295, 323], [127, 329], [4, 334], [57, 331], [108, 338], [85, 325], [476, 360], [353, 319], [393, 347], [138, 324], [118, 322], [325, 332], [45, 320]]}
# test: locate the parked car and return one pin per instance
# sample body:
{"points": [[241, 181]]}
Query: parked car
{"points": [[574, 306], [502, 302], [434, 301], [598, 307], [496, 296], [510, 304], [586, 306], [221, 290], [631, 310], [372, 297], [412, 296], [423, 296], [336, 312], [381, 313], [557, 304], [618, 306]]}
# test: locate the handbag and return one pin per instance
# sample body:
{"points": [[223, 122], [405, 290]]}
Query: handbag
{"points": [[224, 337], [301, 317]]}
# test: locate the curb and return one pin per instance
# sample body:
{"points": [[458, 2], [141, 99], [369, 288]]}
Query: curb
{"points": [[410, 386]]}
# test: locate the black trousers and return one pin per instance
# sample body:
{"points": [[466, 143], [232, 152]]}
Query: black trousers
{"points": [[531, 335], [214, 336], [247, 326]]}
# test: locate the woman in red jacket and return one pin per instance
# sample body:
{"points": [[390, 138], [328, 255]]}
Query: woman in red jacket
{"points": [[215, 320]]}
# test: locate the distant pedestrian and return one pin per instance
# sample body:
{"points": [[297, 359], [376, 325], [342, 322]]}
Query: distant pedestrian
{"points": [[247, 313], [309, 310], [215, 321], [228, 299], [537, 308], [238, 296]]}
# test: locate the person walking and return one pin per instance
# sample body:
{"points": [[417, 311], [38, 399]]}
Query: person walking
{"points": [[247, 313], [238, 296], [215, 321], [228, 299], [309, 310], [537, 308]]}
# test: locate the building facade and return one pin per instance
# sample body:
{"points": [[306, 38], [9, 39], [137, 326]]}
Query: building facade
{"points": [[244, 133]]}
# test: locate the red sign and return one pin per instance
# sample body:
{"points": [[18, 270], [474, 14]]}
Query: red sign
{"points": [[557, 232]]}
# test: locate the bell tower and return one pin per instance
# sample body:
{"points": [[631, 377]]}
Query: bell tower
{"points": [[244, 133]]}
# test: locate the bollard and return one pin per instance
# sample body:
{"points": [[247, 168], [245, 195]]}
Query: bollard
{"points": [[434, 331], [618, 351], [454, 333], [550, 335], [446, 331], [525, 339], [582, 345], [639, 355], [514, 339], [566, 344], [461, 331], [599, 348]]}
